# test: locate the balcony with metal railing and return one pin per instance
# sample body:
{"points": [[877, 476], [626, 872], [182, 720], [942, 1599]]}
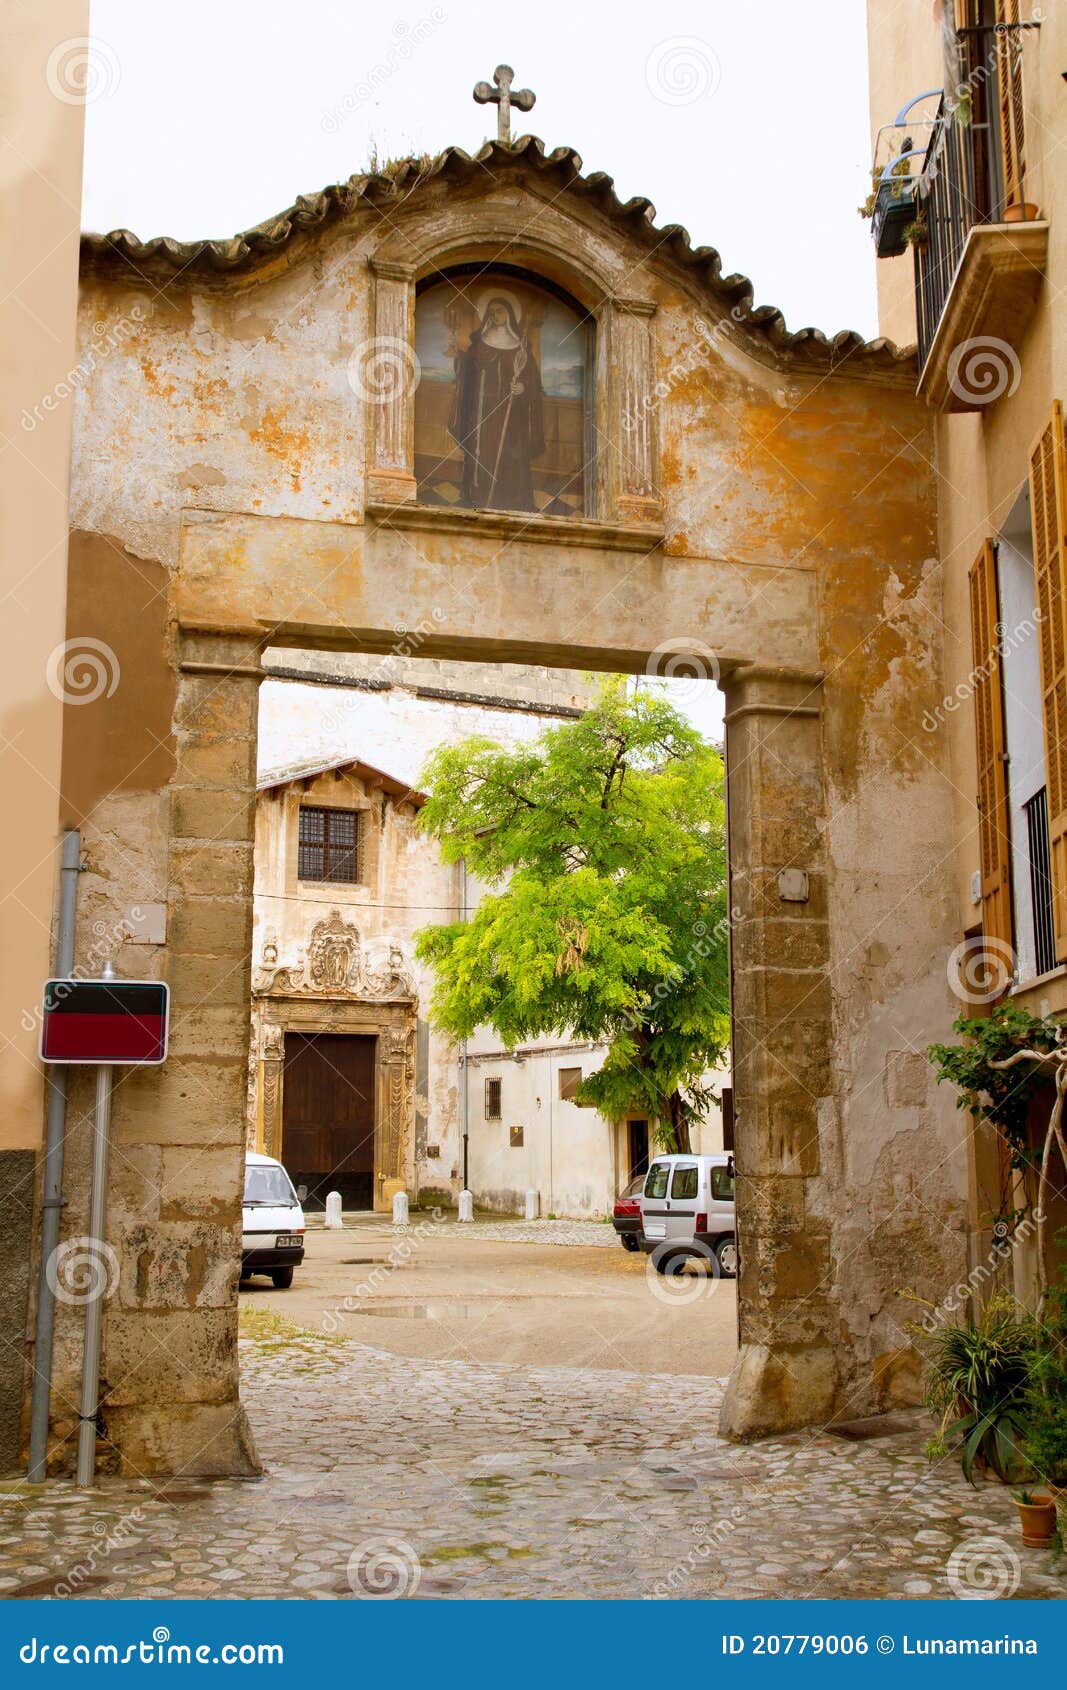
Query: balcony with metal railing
{"points": [[953, 168]]}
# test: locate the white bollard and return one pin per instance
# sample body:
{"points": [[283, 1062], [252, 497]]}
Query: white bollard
{"points": [[400, 1208], [533, 1205], [333, 1209], [466, 1206]]}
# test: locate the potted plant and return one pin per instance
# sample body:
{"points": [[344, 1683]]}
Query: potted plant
{"points": [[1044, 1442], [978, 1376], [918, 232], [891, 207], [1037, 1516]]}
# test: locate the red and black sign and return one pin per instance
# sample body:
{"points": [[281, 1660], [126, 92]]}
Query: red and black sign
{"points": [[105, 1021]]}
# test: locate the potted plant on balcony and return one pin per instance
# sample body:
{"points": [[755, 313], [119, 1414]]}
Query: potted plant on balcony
{"points": [[891, 206], [1021, 211]]}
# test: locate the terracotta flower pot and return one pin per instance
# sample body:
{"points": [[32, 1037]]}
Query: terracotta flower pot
{"points": [[1027, 213], [1037, 1519]]}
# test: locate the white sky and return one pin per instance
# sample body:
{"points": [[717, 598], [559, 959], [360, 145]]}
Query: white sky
{"points": [[746, 123]]}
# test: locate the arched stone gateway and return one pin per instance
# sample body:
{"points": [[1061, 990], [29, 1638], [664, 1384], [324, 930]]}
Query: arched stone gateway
{"points": [[245, 475]]}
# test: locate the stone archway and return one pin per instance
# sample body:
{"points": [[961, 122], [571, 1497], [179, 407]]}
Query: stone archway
{"points": [[762, 498], [793, 1368]]}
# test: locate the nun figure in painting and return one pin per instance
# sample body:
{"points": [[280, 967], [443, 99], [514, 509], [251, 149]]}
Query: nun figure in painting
{"points": [[496, 416]]}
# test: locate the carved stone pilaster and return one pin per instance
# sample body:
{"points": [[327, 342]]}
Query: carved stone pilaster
{"points": [[634, 412], [386, 374]]}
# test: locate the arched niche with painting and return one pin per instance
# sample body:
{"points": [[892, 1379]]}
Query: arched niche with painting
{"points": [[504, 401]]}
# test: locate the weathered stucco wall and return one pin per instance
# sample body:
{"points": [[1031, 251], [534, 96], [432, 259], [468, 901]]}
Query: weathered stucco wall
{"points": [[783, 518], [981, 462]]}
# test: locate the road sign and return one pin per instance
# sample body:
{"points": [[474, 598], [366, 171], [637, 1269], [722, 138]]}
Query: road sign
{"points": [[108, 1021]]}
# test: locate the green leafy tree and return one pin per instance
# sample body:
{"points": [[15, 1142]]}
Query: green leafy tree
{"points": [[603, 847]]}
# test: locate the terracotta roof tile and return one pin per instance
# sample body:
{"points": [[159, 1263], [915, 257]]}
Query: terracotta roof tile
{"points": [[764, 323]]}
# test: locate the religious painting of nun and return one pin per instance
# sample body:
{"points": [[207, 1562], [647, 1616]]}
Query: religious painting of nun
{"points": [[500, 419]]}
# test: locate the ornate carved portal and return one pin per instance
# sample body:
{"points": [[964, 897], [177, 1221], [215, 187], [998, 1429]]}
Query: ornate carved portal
{"points": [[337, 986]]}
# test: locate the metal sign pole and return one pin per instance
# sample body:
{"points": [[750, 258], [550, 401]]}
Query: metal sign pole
{"points": [[94, 1308], [52, 1199]]}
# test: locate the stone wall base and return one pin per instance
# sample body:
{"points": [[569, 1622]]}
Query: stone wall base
{"points": [[780, 1390], [17, 1171], [188, 1440]]}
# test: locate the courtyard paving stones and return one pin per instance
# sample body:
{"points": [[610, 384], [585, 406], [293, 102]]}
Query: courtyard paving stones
{"points": [[388, 1475]]}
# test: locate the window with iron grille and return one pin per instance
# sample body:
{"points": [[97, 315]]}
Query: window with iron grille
{"points": [[1041, 881], [493, 1100], [329, 844]]}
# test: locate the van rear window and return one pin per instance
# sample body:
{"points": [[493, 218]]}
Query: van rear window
{"points": [[722, 1185], [686, 1180], [656, 1183]]}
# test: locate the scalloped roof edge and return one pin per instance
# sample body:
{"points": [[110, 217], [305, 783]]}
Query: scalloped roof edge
{"points": [[313, 211]]}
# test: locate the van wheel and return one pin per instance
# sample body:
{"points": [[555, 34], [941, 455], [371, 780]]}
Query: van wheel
{"points": [[628, 1241], [726, 1256], [281, 1278]]}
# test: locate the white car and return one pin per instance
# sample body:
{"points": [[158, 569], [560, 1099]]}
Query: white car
{"points": [[687, 1210], [272, 1227]]}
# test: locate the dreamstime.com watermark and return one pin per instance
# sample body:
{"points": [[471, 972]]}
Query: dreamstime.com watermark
{"points": [[107, 936], [705, 942], [710, 1536], [82, 70], [107, 338], [400, 1255], [692, 356], [81, 670], [980, 969], [1005, 1239], [1007, 641], [682, 70], [83, 1270], [407, 37], [158, 1650], [110, 1540], [983, 1569], [384, 1569], [687, 663]]}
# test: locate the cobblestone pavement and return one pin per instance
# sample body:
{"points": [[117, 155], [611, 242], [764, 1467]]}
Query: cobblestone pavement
{"points": [[443, 1479], [508, 1231]]}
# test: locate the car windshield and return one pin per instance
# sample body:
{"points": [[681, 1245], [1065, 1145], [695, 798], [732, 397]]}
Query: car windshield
{"points": [[265, 1185]]}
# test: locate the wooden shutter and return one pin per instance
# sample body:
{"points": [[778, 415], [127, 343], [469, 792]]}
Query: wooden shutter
{"points": [[1048, 517], [1008, 47], [993, 824]]}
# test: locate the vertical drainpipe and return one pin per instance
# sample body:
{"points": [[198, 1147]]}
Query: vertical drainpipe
{"points": [[52, 1199], [463, 1042]]}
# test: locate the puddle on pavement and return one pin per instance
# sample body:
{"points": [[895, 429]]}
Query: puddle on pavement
{"points": [[423, 1311]]}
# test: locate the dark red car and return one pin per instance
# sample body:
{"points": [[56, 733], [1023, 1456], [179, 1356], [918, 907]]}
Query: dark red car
{"points": [[626, 1215]]}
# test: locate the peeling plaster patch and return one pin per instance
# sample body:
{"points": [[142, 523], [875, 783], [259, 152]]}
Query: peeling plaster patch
{"points": [[253, 328], [201, 475], [907, 1075]]}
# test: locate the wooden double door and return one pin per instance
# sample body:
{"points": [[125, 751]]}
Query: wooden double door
{"points": [[328, 1116]]}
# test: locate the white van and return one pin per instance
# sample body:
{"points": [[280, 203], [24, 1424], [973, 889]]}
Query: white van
{"points": [[272, 1225], [687, 1209]]}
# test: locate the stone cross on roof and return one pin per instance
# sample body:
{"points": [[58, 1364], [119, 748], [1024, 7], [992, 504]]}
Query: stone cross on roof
{"points": [[503, 99]]}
